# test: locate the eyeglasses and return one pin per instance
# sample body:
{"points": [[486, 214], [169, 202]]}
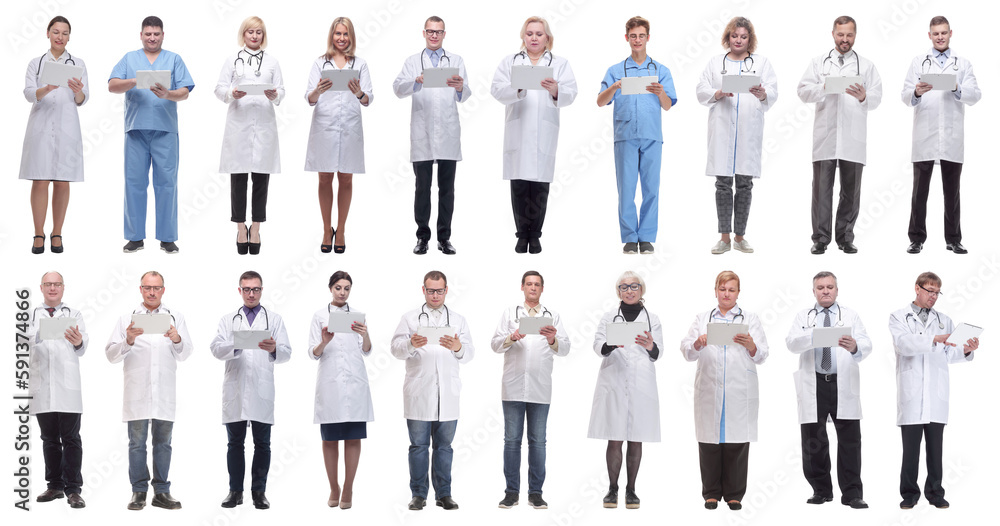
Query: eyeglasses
{"points": [[52, 284], [434, 32], [248, 290], [640, 36], [934, 293], [435, 292], [153, 288], [626, 286]]}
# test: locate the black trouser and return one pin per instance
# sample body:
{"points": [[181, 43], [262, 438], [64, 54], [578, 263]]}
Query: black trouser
{"points": [[849, 206], [951, 175], [816, 446], [62, 450], [724, 470], [908, 487], [238, 197], [235, 461], [529, 200], [424, 170]]}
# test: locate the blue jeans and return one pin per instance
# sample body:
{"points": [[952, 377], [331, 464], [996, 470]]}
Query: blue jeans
{"points": [[514, 414], [235, 461], [138, 471], [421, 434]]}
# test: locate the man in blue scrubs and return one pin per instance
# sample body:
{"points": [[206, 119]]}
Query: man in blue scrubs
{"points": [[638, 136], [151, 136]]}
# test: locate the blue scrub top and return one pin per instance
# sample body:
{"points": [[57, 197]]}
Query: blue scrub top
{"points": [[143, 109], [638, 116]]}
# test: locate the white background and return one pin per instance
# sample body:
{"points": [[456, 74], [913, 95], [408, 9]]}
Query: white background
{"points": [[581, 260]]}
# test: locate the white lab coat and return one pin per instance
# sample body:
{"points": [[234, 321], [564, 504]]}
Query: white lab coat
{"points": [[250, 143], [938, 118], [53, 144], [342, 392], [248, 383], [54, 384], [531, 122], [435, 130], [735, 124], [432, 385], [336, 137], [800, 341], [922, 366], [725, 373], [527, 363], [626, 404], [840, 128], [150, 390]]}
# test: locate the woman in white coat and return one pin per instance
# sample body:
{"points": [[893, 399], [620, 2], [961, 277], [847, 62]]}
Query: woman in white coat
{"points": [[725, 394], [53, 144], [250, 143], [336, 138], [531, 129], [736, 128], [343, 399], [626, 403]]}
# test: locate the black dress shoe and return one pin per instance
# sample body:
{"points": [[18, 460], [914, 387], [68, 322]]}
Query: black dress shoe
{"points": [[259, 500], [447, 503], [848, 247], [56, 249], [165, 501], [421, 248], [233, 499], [907, 504], [138, 501], [446, 247], [631, 500], [735, 506], [534, 246], [611, 499], [38, 250], [955, 247], [857, 503], [711, 504], [818, 248], [940, 504], [50, 495], [522, 245], [818, 499], [417, 503], [915, 247], [75, 501]]}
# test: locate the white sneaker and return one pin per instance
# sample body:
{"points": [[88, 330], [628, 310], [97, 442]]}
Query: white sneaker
{"points": [[743, 246], [720, 247]]}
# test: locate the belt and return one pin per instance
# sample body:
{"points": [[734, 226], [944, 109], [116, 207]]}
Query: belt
{"points": [[828, 378]]}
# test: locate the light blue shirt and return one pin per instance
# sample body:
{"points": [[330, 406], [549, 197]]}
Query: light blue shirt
{"points": [[638, 116], [143, 109]]}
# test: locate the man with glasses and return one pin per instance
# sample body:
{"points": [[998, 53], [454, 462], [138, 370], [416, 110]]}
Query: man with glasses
{"points": [[434, 341], [435, 132], [56, 402], [920, 336], [248, 387], [150, 390]]}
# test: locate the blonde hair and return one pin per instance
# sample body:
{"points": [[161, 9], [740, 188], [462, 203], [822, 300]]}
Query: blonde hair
{"points": [[736, 22], [545, 25], [726, 276], [346, 22], [628, 274], [252, 22]]}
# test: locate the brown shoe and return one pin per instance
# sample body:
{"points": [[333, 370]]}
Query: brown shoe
{"points": [[75, 501], [50, 495]]}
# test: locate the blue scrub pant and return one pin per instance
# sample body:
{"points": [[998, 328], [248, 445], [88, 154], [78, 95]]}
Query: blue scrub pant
{"points": [[162, 150], [638, 161]]}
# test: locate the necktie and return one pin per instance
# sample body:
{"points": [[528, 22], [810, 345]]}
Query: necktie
{"points": [[826, 362], [841, 60], [52, 311], [435, 59], [250, 316]]}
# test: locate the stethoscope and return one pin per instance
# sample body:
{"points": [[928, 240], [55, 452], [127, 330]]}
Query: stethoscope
{"points": [[651, 63], [172, 318], [239, 314], [444, 56], [249, 61], [423, 313], [524, 55], [520, 308], [61, 309], [69, 60], [350, 64], [620, 315], [814, 312], [749, 69], [329, 309], [829, 58], [916, 326], [738, 315], [925, 66]]}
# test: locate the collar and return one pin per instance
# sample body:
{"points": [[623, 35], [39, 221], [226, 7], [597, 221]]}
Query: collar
{"points": [[142, 308], [342, 308], [54, 58], [834, 309], [918, 310], [645, 63], [946, 53], [247, 310], [439, 310], [731, 315], [533, 311], [431, 52], [57, 307]]}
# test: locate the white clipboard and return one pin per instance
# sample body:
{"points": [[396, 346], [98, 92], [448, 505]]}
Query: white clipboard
{"points": [[146, 79], [58, 73], [625, 333], [723, 333], [829, 336], [940, 81], [434, 334], [340, 77], [963, 333], [837, 85], [529, 77], [254, 89], [152, 323], [249, 339], [55, 328], [341, 321], [438, 77], [529, 325], [637, 85], [739, 83]]}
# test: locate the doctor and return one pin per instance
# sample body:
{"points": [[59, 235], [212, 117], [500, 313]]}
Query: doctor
{"points": [[638, 137], [248, 388], [920, 337], [938, 133], [435, 132], [531, 129], [736, 128], [250, 143], [626, 405], [840, 132], [150, 390], [828, 384], [431, 388], [55, 394], [527, 387], [726, 400], [53, 145], [151, 136]]}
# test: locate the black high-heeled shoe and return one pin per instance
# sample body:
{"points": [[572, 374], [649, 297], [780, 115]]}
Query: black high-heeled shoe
{"points": [[55, 249], [38, 250], [338, 249], [243, 248], [327, 248], [254, 247]]}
